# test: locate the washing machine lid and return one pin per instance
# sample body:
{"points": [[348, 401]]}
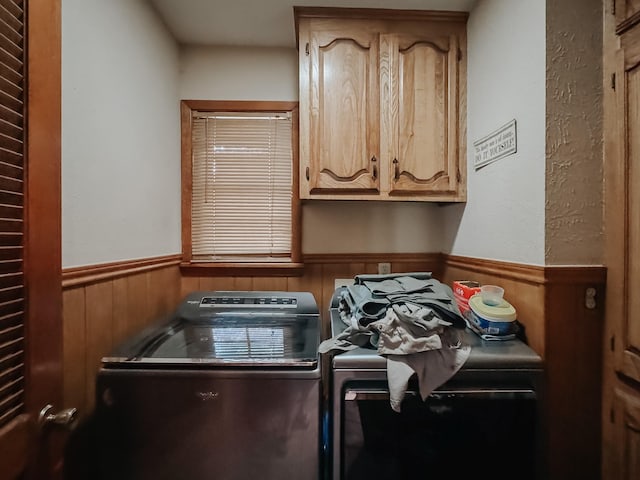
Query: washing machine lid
{"points": [[241, 340], [232, 329]]}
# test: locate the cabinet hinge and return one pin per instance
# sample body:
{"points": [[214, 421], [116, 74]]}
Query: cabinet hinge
{"points": [[458, 176], [613, 81], [612, 343], [306, 49], [612, 415], [613, 6]]}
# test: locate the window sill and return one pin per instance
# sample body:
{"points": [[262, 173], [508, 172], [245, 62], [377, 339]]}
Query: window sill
{"points": [[266, 269]]}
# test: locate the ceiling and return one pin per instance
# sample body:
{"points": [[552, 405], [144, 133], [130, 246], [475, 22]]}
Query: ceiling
{"points": [[267, 23]]}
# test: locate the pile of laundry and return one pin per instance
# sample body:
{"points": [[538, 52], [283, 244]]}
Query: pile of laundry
{"points": [[412, 320]]}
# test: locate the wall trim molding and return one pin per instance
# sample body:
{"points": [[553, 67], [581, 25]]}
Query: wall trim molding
{"points": [[314, 258], [77, 276], [533, 274], [557, 274]]}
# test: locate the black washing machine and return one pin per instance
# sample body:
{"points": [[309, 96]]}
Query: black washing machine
{"points": [[227, 388]]}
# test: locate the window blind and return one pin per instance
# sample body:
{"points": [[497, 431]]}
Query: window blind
{"points": [[241, 186]]}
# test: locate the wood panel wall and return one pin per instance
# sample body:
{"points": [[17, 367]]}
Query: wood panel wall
{"points": [[105, 304], [551, 303], [523, 288], [573, 343], [102, 306]]}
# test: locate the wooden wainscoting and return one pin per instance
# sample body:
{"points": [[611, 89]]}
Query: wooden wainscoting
{"points": [[524, 288], [102, 306], [573, 345], [551, 304]]}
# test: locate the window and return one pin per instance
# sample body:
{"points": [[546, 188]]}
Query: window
{"points": [[240, 204]]}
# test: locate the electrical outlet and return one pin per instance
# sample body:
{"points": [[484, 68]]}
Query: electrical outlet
{"points": [[590, 298], [384, 268]]}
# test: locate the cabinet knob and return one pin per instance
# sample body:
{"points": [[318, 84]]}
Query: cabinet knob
{"points": [[396, 170], [374, 168]]}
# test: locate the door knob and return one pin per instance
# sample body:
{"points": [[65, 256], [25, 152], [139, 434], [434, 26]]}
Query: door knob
{"points": [[65, 418]]}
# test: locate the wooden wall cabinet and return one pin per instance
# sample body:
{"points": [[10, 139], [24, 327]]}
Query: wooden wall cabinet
{"points": [[382, 104]]}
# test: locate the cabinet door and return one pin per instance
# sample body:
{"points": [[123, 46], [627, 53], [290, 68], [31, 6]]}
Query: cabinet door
{"points": [[626, 10], [621, 414], [628, 188], [626, 420], [420, 117], [340, 138]]}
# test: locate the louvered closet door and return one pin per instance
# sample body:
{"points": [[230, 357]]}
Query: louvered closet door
{"points": [[12, 154], [30, 288]]}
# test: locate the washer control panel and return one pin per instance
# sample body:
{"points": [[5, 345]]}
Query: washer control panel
{"points": [[249, 302]]}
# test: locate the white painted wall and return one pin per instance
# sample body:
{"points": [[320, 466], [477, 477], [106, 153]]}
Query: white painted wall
{"points": [[120, 133], [370, 227], [248, 73], [504, 217], [238, 73], [123, 76]]}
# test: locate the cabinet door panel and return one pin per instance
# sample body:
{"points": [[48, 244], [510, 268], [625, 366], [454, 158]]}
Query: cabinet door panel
{"points": [[625, 10], [627, 434], [629, 362], [423, 154], [633, 268], [621, 397], [344, 112]]}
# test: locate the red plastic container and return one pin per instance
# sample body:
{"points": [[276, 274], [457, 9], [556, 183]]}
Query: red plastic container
{"points": [[463, 290]]}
